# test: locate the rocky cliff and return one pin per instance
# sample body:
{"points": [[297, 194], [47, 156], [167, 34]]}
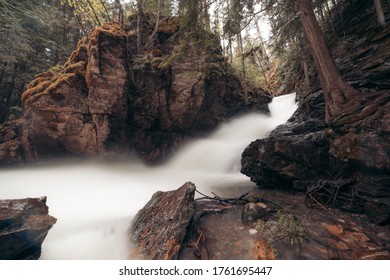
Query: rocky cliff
{"points": [[110, 98], [346, 165]]}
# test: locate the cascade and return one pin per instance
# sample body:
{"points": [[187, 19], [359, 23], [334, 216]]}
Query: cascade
{"points": [[95, 201]]}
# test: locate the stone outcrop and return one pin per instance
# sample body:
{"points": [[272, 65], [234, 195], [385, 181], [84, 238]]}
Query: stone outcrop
{"points": [[333, 165], [346, 165], [80, 110], [24, 224], [110, 98], [159, 228]]}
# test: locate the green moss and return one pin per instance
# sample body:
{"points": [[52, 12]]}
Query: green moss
{"points": [[56, 68], [287, 227]]}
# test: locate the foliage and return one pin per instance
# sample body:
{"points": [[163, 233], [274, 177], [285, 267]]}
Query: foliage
{"points": [[286, 228]]}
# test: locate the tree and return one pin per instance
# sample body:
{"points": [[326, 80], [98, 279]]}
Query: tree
{"points": [[379, 13], [139, 25], [337, 91], [35, 35]]}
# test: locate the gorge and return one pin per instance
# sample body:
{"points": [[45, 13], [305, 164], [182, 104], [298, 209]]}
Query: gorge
{"points": [[144, 104], [94, 202]]}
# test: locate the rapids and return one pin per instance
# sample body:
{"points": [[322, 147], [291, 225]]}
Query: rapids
{"points": [[95, 201]]}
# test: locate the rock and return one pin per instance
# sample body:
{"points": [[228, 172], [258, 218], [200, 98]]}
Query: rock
{"points": [[355, 241], [253, 212], [80, 110], [378, 210], [24, 224], [345, 167], [109, 100], [160, 227], [186, 90], [295, 151]]}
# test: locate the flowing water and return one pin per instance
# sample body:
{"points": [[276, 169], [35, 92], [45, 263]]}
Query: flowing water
{"points": [[94, 202]]}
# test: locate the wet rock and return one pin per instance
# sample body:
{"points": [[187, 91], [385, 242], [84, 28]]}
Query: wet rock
{"points": [[185, 90], [297, 150], [352, 240], [160, 227], [24, 224], [253, 212], [345, 167], [378, 210]]}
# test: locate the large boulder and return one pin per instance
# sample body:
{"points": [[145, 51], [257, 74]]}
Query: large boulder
{"points": [[24, 224], [159, 228], [80, 110], [110, 98], [344, 166]]}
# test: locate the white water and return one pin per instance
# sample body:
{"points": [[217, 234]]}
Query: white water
{"points": [[94, 202]]}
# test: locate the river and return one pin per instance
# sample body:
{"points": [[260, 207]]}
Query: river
{"points": [[95, 201]]}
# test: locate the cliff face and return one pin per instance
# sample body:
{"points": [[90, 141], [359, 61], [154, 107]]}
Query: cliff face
{"points": [[346, 165], [110, 99]]}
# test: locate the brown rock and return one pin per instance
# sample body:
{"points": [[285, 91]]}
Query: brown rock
{"points": [[253, 212], [354, 241], [80, 110], [109, 98], [24, 224], [160, 227], [345, 167]]}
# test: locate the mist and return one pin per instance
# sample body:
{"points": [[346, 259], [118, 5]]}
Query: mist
{"points": [[94, 202]]}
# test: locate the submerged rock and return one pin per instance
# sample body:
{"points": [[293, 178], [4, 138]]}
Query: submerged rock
{"points": [[24, 224], [253, 212], [159, 228]]}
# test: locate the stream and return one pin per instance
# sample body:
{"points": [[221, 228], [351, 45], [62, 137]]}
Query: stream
{"points": [[95, 201]]}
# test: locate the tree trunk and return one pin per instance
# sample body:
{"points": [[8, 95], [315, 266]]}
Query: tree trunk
{"points": [[105, 9], [330, 17], [206, 15], [94, 12], [264, 53], [337, 91], [379, 13], [241, 54], [230, 50], [154, 34], [139, 23]]}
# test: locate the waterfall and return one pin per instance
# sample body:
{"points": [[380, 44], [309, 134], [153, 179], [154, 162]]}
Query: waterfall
{"points": [[95, 201]]}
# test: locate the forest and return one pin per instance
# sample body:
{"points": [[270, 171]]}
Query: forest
{"points": [[137, 83]]}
